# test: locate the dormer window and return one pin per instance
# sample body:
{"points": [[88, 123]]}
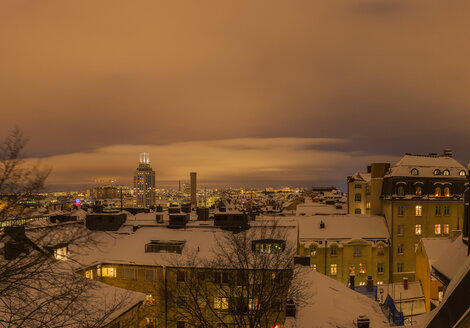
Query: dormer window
{"points": [[419, 191], [401, 191], [446, 172], [170, 246], [462, 173], [447, 192], [437, 172], [268, 246], [438, 192], [414, 171]]}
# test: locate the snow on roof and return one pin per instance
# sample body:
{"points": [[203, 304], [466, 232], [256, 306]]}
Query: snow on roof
{"points": [[426, 164], [362, 176], [343, 227], [311, 208], [330, 303], [451, 258], [434, 247], [129, 248]]}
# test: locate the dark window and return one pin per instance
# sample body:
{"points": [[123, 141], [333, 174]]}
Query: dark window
{"points": [[438, 210], [358, 186], [399, 267], [333, 251], [180, 324], [181, 301], [221, 277], [357, 251], [380, 267], [401, 210], [180, 276], [447, 210], [400, 230], [414, 171], [380, 250], [400, 249], [276, 305], [357, 197], [401, 191], [357, 211], [150, 275]]}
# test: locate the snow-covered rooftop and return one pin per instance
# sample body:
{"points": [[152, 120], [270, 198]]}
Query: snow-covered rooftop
{"points": [[452, 258], [343, 227], [434, 248], [426, 164], [331, 304]]}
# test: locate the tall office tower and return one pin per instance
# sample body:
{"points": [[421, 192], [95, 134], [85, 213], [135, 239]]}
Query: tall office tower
{"points": [[193, 177], [144, 182]]}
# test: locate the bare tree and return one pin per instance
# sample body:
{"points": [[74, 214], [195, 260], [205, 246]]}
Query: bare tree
{"points": [[37, 289], [246, 281]]}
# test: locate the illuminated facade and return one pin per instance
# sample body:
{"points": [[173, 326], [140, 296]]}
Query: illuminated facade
{"points": [[144, 182], [421, 196], [193, 176]]}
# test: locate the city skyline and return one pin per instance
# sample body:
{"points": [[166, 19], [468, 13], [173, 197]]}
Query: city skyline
{"points": [[321, 78]]}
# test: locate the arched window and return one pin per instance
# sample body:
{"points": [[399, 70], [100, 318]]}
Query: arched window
{"points": [[446, 172], [447, 192], [313, 250], [419, 191], [437, 172], [380, 250], [462, 173], [438, 192], [414, 171], [401, 191]]}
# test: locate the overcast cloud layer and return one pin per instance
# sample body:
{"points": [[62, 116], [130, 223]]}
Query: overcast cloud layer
{"points": [[385, 77]]}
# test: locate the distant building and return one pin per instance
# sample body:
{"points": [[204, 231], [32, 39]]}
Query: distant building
{"points": [[420, 196], [106, 192], [193, 176], [144, 182]]}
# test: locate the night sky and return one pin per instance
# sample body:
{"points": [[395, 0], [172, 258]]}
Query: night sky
{"points": [[245, 93]]}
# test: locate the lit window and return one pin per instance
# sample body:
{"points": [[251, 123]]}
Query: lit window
{"points": [[253, 303], [400, 249], [380, 250], [418, 229], [438, 210], [221, 303], [462, 173], [438, 192], [447, 192], [109, 272], [357, 197], [401, 210], [446, 172], [380, 282], [446, 210], [418, 191], [400, 230], [150, 299], [419, 210], [362, 283], [333, 269], [399, 267], [380, 267], [362, 268], [437, 172], [437, 229], [313, 267], [414, 171], [357, 251], [89, 274], [445, 228], [313, 250], [368, 205], [357, 211], [333, 251], [150, 322], [352, 269], [61, 253]]}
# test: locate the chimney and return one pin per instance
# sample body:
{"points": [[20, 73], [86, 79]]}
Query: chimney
{"points": [[405, 283], [448, 152]]}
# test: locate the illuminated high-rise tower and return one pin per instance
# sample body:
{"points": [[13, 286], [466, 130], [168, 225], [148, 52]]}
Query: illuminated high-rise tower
{"points": [[144, 182]]}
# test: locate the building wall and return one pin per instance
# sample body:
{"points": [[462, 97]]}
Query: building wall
{"points": [[345, 258], [409, 239], [357, 188], [164, 289]]}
